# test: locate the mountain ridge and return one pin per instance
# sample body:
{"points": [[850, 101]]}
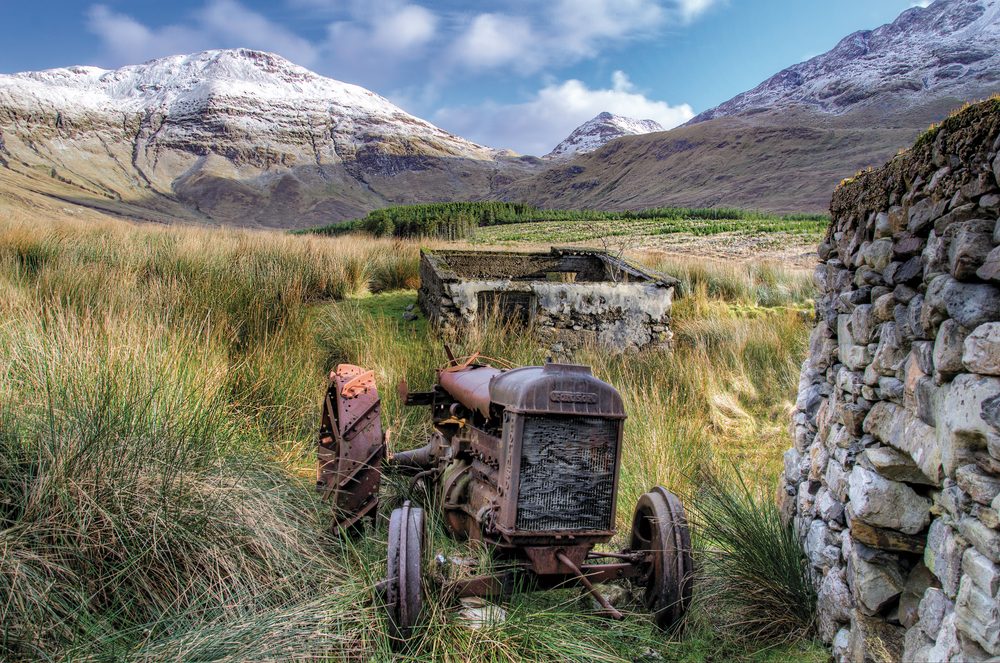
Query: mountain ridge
{"points": [[238, 137], [784, 145]]}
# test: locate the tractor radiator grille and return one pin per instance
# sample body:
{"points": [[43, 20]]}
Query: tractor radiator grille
{"points": [[567, 473]]}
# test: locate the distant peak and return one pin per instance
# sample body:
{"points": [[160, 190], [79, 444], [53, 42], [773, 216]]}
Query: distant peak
{"points": [[596, 132]]}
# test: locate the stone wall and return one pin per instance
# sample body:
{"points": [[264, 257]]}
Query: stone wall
{"points": [[568, 297], [893, 480]]}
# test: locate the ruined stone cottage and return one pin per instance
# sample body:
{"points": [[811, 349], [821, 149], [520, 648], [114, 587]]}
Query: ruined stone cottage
{"points": [[568, 297]]}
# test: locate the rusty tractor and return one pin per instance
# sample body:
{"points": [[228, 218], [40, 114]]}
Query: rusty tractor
{"points": [[525, 460]]}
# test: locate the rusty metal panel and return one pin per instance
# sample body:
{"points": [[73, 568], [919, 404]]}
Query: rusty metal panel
{"points": [[511, 466], [567, 474], [470, 386], [556, 389]]}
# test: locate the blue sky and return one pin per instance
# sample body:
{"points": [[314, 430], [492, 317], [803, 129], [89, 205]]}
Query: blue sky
{"points": [[518, 74]]}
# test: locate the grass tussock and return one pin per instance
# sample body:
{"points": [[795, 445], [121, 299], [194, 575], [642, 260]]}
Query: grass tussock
{"points": [[752, 570], [158, 398]]}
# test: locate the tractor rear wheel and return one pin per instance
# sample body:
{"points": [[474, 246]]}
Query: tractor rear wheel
{"points": [[350, 447], [659, 527]]}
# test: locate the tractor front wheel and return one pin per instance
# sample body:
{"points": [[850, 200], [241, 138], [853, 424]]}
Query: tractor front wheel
{"points": [[404, 598], [659, 527]]}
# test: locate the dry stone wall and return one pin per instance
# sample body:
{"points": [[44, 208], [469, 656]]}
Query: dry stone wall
{"points": [[893, 480]]}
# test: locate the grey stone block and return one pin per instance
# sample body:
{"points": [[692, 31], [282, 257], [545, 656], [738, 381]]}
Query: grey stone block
{"points": [[933, 609], [923, 352], [882, 502], [961, 428], [985, 540], [984, 573], [948, 349], [980, 486], [893, 464], [978, 615], [834, 604], [981, 351], [943, 555]]}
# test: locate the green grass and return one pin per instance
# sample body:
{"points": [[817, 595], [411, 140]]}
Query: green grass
{"points": [[769, 234], [487, 221], [158, 405]]}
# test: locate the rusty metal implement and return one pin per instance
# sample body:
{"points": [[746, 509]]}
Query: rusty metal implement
{"points": [[350, 446], [525, 460]]}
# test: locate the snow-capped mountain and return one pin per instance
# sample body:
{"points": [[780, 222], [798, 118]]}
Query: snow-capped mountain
{"points": [[234, 136], [948, 49], [594, 133]]}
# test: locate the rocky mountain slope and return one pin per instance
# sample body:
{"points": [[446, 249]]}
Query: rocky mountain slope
{"points": [[785, 145], [596, 132], [236, 137], [949, 49]]}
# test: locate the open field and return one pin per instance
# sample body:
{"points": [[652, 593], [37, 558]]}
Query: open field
{"points": [[160, 395], [792, 243], [719, 233]]}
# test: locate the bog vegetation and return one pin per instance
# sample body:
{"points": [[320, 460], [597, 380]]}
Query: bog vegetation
{"points": [[159, 402], [463, 220]]}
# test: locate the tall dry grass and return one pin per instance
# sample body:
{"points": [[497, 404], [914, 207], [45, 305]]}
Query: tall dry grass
{"points": [[158, 391]]}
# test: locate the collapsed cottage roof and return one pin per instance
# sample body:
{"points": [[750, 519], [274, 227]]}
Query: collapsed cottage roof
{"points": [[571, 296], [587, 265]]}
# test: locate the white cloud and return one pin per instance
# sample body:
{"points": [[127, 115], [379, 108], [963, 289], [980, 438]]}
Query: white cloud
{"points": [[497, 40], [923, 3], [564, 32], [537, 126], [219, 24], [409, 27], [692, 9]]}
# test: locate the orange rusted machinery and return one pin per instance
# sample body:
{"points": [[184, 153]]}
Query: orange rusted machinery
{"points": [[525, 460]]}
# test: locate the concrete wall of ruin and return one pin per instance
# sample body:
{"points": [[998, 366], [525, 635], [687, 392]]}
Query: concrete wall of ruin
{"points": [[894, 477], [623, 316]]}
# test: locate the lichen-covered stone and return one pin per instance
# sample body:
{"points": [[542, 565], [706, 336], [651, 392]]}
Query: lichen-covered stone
{"points": [[961, 427], [968, 252], [943, 555], [829, 508], [946, 645], [833, 604], [840, 649], [878, 255], [890, 355], [934, 606], [949, 348], [923, 352], [981, 351], [875, 641]]}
